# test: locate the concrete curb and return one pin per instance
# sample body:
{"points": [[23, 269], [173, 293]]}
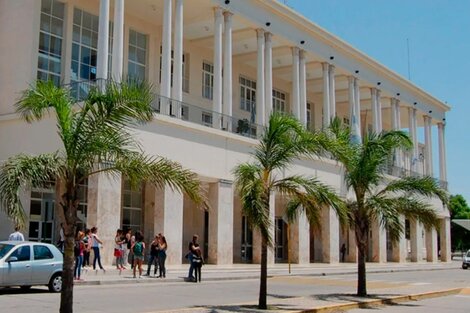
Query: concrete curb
{"points": [[376, 302], [129, 280]]}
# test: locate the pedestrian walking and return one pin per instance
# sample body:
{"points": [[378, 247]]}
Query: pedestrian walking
{"points": [[118, 250], [16, 235], [153, 258], [192, 248], [343, 252], [78, 250], [162, 246], [138, 250], [87, 242], [96, 243], [198, 261]]}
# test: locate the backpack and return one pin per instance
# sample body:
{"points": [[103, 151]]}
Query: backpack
{"points": [[138, 248]]}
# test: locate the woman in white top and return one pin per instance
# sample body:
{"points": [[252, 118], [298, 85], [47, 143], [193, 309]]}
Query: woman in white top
{"points": [[95, 245]]}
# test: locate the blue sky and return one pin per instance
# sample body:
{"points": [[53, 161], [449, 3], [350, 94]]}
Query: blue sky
{"points": [[439, 37]]}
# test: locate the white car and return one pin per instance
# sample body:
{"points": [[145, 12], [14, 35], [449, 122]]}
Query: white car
{"points": [[466, 260], [26, 264]]}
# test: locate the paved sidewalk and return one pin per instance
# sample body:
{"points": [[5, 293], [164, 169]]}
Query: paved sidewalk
{"points": [[250, 271]]}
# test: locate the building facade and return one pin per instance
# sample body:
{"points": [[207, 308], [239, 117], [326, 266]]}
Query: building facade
{"points": [[218, 69]]}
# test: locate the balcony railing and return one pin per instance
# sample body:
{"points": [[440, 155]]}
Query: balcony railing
{"points": [[404, 172], [180, 110]]}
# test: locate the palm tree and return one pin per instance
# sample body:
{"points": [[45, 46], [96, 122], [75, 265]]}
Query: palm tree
{"points": [[96, 138], [379, 199], [283, 141]]}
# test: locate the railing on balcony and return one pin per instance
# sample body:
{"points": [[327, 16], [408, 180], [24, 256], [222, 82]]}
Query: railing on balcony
{"points": [[404, 172], [180, 110]]}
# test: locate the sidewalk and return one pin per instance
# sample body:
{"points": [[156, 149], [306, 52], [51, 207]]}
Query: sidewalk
{"points": [[251, 271]]}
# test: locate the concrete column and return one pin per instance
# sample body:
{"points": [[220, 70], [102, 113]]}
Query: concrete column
{"points": [[416, 241], [374, 109], [442, 152], [295, 83], [431, 245], [303, 87], [379, 242], [227, 107], [217, 94], [357, 103], [168, 220], [379, 111], [351, 247], [177, 92], [332, 90], [396, 125], [118, 41], [399, 252], [257, 235], [260, 90], [354, 114], [351, 99], [413, 135], [326, 95], [330, 236], [299, 240], [221, 223], [103, 42], [428, 145], [268, 73], [165, 88], [104, 210], [444, 232]]}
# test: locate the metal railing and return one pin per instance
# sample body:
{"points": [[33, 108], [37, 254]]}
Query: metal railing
{"points": [[404, 172]]}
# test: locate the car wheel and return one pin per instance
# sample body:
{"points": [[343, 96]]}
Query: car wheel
{"points": [[55, 284], [25, 287], [464, 266]]}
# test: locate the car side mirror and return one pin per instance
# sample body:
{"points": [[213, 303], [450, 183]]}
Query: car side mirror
{"points": [[12, 259]]}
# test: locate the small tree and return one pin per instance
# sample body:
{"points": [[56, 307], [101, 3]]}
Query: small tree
{"points": [[377, 198], [96, 138], [283, 141]]}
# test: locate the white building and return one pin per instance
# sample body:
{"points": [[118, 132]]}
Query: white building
{"points": [[225, 65]]}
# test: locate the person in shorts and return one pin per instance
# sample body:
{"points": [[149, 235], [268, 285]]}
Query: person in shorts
{"points": [[138, 250]]}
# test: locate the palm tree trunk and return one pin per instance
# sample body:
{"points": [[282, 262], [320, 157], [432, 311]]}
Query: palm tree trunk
{"points": [[66, 297], [361, 238], [263, 288]]}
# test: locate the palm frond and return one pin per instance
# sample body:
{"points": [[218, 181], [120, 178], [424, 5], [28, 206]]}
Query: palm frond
{"points": [[417, 209], [24, 170]]}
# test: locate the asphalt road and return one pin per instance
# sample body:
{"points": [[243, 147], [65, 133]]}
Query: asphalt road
{"points": [[150, 297]]}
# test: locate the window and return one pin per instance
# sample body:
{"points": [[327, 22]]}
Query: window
{"points": [[207, 80], [82, 210], [23, 253], [137, 61], [42, 253], [248, 96], [346, 121], [207, 119], [50, 41], [185, 70], [131, 206], [84, 46], [279, 101]]}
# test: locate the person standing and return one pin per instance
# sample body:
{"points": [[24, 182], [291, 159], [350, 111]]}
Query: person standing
{"points": [[153, 259], [197, 262], [118, 251], [127, 246], [61, 241], [87, 243], [138, 250], [95, 245], [193, 247], [16, 235], [162, 246], [78, 250], [343, 252]]}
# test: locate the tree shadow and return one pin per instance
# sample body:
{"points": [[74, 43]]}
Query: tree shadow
{"points": [[18, 290]]}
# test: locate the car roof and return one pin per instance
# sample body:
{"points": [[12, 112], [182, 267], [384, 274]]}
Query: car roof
{"points": [[16, 243]]}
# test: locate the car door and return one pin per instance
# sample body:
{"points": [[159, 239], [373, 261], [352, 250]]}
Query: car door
{"points": [[18, 272], [44, 264]]}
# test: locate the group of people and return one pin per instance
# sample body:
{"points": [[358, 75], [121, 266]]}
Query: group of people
{"points": [[85, 242]]}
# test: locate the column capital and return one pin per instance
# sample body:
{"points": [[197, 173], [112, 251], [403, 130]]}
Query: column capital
{"points": [[260, 33], [378, 93], [373, 91], [332, 68], [325, 66], [351, 79], [268, 36], [441, 125], [295, 51], [302, 53], [218, 12], [228, 14]]}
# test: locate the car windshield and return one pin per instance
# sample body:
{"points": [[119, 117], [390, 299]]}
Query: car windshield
{"points": [[4, 248], [468, 254]]}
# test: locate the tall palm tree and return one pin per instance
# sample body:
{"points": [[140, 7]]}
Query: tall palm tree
{"points": [[379, 199], [284, 141], [96, 138]]}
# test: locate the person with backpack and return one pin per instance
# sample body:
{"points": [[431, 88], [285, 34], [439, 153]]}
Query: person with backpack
{"points": [[138, 249], [78, 249]]}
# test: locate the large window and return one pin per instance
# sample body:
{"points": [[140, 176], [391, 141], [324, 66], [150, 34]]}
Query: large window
{"points": [[84, 46], [247, 95], [131, 206], [279, 101], [137, 61], [310, 116], [50, 41], [207, 80]]}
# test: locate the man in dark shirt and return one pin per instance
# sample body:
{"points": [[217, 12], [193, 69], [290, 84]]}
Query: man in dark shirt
{"points": [[192, 247]]}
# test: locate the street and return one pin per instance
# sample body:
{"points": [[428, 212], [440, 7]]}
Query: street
{"points": [[287, 291]]}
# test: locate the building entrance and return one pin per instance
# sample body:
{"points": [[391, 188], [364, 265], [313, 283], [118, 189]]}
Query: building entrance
{"points": [[41, 217], [247, 241]]}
